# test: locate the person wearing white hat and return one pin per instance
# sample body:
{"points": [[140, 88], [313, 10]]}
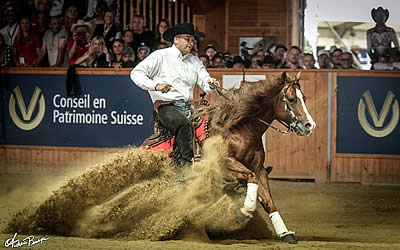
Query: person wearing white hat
{"points": [[170, 75], [79, 44]]}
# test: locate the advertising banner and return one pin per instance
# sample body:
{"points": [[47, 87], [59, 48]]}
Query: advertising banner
{"points": [[368, 115], [109, 111]]}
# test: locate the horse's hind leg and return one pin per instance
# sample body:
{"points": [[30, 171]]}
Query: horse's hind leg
{"points": [[268, 204]]}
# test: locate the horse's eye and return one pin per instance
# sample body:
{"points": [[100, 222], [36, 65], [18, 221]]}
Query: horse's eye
{"points": [[292, 99]]}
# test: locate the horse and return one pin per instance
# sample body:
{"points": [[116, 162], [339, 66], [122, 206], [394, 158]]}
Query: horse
{"points": [[241, 117]]}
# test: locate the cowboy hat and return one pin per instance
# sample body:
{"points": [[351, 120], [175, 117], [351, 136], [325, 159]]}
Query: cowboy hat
{"points": [[385, 13], [80, 23], [181, 28]]}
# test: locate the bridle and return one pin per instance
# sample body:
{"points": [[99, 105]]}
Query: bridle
{"points": [[288, 108]]}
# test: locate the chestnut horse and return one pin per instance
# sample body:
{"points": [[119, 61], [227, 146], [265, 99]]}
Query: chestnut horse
{"points": [[241, 117]]}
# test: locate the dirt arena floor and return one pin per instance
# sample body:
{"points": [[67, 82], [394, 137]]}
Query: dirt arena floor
{"points": [[324, 216]]}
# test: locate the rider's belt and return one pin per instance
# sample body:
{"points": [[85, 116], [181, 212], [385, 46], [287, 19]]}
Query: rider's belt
{"points": [[159, 102]]}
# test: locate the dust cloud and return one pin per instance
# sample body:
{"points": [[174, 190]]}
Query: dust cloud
{"points": [[139, 195]]}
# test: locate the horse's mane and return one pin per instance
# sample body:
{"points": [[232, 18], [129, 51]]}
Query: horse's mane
{"points": [[249, 101]]}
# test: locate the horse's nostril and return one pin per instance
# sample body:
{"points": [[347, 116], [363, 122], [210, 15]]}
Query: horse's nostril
{"points": [[308, 126]]}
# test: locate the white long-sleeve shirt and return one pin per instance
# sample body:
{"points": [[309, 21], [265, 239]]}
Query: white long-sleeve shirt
{"points": [[169, 66]]}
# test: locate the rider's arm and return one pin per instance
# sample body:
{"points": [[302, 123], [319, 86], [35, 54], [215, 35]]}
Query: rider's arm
{"points": [[203, 77], [143, 73]]}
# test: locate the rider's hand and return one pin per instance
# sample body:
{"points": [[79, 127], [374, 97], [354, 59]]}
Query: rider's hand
{"points": [[213, 81], [163, 87]]}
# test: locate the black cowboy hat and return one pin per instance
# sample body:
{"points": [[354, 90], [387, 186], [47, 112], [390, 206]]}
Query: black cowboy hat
{"points": [[385, 12], [181, 28]]}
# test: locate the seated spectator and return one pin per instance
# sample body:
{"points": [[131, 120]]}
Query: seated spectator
{"points": [[279, 54], [218, 62], [204, 59], [11, 30], [238, 63], [142, 52], [128, 58], [26, 45], [228, 56], [127, 38], [162, 45], [346, 60], [292, 60], [116, 54], [97, 55], [254, 62], [260, 55], [5, 53], [211, 50], [162, 26], [335, 58], [141, 34], [41, 24], [324, 60], [109, 30], [268, 62], [71, 17], [101, 8], [79, 44], [309, 61], [54, 43]]}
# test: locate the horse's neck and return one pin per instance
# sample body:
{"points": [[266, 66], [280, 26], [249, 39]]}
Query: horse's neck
{"points": [[257, 125]]}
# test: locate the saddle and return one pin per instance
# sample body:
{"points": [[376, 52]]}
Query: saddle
{"points": [[163, 140]]}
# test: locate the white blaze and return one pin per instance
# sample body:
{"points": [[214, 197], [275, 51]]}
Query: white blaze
{"points": [[309, 117]]}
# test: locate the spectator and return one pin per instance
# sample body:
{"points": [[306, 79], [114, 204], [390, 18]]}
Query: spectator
{"points": [[26, 45], [309, 61], [101, 8], [260, 55], [79, 44], [279, 54], [162, 26], [96, 9], [142, 52], [97, 55], [218, 62], [70, 17], [268, 62], [127, 38], [204, 59], [238, 63], [142, 35], [324, 61], [335, 58], [346, 60], [116, 55], [292, 60], [109, 31], [128, 58], [54, 43], [163, 45], [5, 53], [42, 6], [254, 61], [11, 30], [211, 50], [41, 24]]}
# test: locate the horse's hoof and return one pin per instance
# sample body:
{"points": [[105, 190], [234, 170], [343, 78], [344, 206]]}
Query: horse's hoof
{"points": [[242, 216], [289, 238]]}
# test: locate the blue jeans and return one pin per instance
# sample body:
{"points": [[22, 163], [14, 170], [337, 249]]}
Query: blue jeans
{"points": [[184, 107]]}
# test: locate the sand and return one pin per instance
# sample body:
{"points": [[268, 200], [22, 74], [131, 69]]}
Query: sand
{"points": [[133, 200]]}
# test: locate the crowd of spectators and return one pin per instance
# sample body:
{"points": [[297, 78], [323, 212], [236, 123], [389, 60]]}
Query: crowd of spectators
{"points": [[60, 33]]}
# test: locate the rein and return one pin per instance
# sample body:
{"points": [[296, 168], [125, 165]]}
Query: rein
{"points": [[289, 127]]}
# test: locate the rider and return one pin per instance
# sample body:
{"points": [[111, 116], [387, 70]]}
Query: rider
{"points": [[170, 75]]}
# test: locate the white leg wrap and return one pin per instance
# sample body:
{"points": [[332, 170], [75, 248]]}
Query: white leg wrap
{"points": [[250, 203], [278, 223]]}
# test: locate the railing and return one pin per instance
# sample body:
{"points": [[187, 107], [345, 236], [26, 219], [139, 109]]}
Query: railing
{"points": [[176, 11]]}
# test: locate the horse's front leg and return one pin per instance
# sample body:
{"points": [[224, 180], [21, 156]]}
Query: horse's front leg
{"points": [[265, 197], [240, 171]]}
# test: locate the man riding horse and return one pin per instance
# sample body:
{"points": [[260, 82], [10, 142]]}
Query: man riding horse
{"points": [[170, 75]]}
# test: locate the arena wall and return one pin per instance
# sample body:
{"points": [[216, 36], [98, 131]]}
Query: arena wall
{"points": [[340, 150]]}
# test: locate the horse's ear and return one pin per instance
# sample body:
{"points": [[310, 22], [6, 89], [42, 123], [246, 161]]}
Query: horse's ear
{"points": [[298, 75], [283, 77]]}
